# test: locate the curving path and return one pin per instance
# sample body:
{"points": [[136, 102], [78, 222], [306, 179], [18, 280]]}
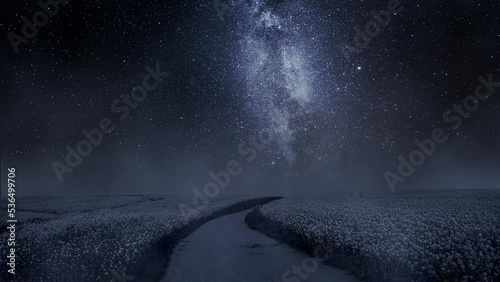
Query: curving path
{"points": [[226, 250]]}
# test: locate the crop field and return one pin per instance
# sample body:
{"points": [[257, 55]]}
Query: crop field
{"points": [[103, 238], [452, 236]]}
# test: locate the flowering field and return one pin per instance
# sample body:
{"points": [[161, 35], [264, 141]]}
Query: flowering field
{"points": [[106, 238], [453, 236]]}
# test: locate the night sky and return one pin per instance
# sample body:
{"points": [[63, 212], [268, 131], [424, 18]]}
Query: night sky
{"points": [[276, 66]]}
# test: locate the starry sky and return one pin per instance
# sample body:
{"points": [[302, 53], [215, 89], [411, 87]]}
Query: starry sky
{"points": [[240, 69]]}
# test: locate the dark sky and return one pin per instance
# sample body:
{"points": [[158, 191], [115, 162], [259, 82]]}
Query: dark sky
{"points": [[276, 66]]}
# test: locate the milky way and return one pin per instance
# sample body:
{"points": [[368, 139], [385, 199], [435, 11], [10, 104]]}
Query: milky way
{"points": [[277, 71]]}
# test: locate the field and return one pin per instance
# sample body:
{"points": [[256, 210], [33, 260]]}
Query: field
{"points": [[453, 236], [106, 238]]}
